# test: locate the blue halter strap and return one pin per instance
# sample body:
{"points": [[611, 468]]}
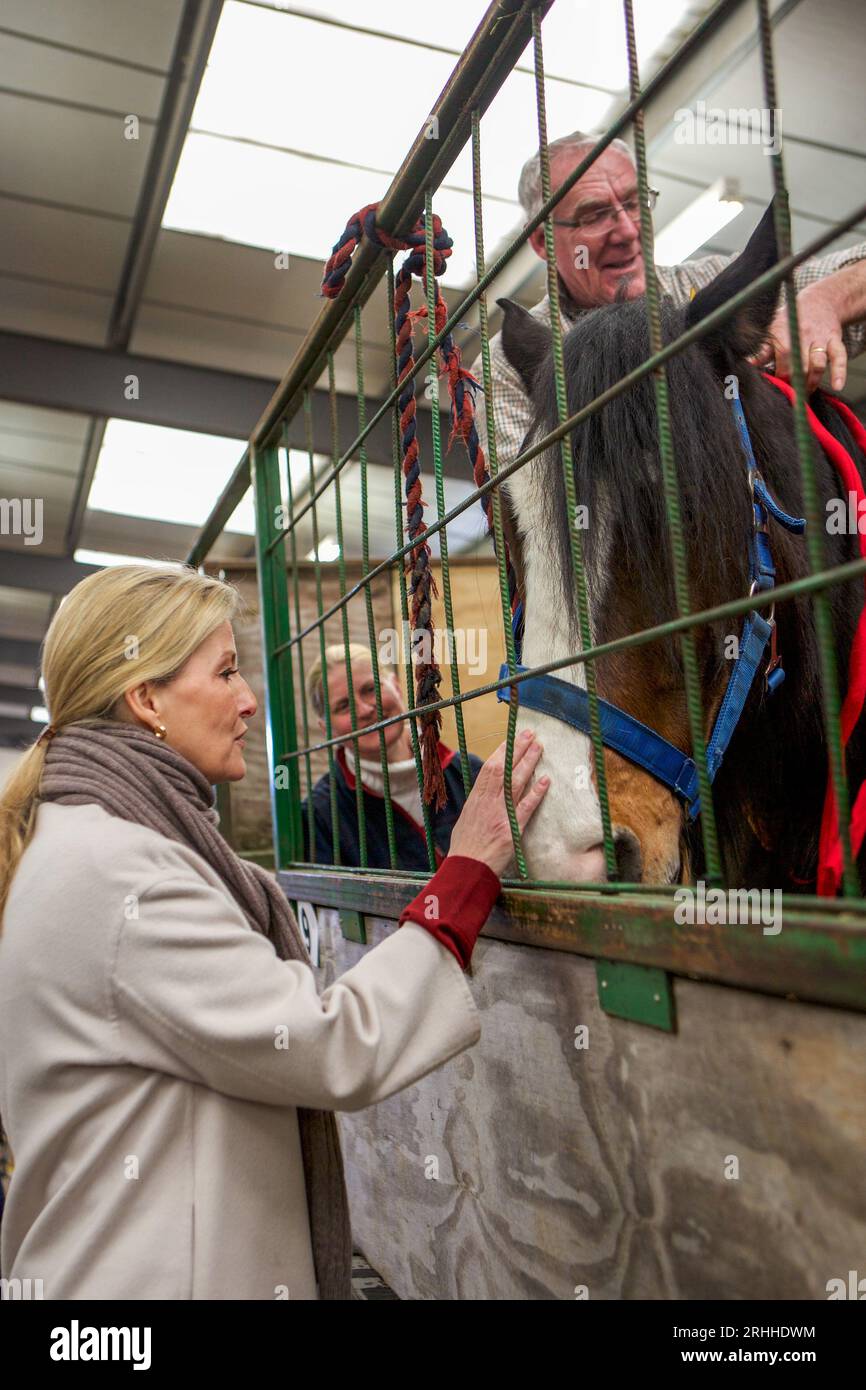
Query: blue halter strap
{"points": [[635, 741]]}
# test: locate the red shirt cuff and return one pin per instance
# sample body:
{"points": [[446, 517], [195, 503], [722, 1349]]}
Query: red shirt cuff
{"points": [[455, 904]]}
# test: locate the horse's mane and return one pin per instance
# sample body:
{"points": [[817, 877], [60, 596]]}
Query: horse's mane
{"points": [[605, 345]]}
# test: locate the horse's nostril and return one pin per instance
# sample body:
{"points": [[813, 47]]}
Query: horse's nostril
{"points": [[629, 860]]}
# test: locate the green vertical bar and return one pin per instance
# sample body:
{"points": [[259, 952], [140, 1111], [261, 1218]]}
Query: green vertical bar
{"points": [[350, 688], [671, 483], [816, 519], [495, 498], [281, 733], [311, 821], [401, 578], [320, 608], [368, 596], [436, 428], [574, 536]]}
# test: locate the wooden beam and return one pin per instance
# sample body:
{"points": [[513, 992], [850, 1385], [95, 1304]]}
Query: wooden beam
{"points": [[819, 954]]}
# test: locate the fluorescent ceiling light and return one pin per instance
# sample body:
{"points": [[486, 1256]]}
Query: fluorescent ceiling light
{"points": [[39, 713], [690, 229], [328, 550]]}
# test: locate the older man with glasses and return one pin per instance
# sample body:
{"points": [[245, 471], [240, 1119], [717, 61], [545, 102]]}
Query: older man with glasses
{"points": [[596, 231]]}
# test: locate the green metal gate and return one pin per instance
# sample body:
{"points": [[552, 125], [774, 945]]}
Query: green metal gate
{"points": [[628, 928]]}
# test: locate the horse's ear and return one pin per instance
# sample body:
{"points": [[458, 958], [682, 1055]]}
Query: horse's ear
{"points": [[525, 341], [746, 330]]}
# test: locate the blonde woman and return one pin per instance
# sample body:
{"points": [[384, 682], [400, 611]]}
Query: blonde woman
{"points": [[168, 1071]]}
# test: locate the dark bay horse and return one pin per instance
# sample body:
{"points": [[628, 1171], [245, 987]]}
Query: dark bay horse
{"points": [[769, 791]]}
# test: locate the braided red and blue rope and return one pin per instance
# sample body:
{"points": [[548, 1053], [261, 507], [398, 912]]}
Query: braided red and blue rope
{"points": [[462, 386]]}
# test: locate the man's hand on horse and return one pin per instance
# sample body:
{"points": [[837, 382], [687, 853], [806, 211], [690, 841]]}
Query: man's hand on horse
{"points": [[821, 344]]}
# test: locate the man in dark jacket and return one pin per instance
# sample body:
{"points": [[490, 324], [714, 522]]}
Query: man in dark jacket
{"points": [[409, 835]]}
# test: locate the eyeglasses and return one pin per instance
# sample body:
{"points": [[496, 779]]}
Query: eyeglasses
{"points": [[606, 216]]}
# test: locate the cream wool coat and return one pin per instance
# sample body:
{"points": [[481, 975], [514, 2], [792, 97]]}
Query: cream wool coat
{"points": [[150, 1115]]}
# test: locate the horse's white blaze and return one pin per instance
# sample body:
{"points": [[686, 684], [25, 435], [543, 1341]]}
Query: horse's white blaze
{"points": [[562, 839]]}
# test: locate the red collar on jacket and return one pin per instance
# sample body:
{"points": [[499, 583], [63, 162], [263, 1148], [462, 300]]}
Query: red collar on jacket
{"points": [[445, 756]]}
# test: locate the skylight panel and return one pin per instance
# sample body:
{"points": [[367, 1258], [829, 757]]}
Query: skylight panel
{"points": [[266, 198], [164, 474], [252, 196], [509, 132], [416, 22], [272, 116], [584, 40], [292, 82]]}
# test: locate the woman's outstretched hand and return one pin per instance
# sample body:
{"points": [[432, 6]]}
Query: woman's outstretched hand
{"points": [[482, 830]]}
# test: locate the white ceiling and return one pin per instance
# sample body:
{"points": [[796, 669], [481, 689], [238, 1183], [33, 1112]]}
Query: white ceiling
{"points": [[303, 120]]}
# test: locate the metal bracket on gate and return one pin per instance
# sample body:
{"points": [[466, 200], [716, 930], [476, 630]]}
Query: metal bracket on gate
{"points": [[352, 925], [641, 993]]}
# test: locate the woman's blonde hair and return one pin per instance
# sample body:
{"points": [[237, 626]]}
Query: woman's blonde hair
{"points": [[117, 628]]}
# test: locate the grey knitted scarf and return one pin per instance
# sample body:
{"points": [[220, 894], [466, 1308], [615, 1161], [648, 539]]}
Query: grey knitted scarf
{"points": [[137, 777]]}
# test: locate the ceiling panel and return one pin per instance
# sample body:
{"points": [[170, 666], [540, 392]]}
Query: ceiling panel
{"points": [[69, 156], [28, 66], [248, 62], [828, 185], [226, 278], [56, 504], [153, 540], [377, 369], [54, 243], [25, 615], [247, 194], [49, 476], [193, 336], [54, 311], [818, 49], [53, 426], [221, 304], [141, 33]]}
